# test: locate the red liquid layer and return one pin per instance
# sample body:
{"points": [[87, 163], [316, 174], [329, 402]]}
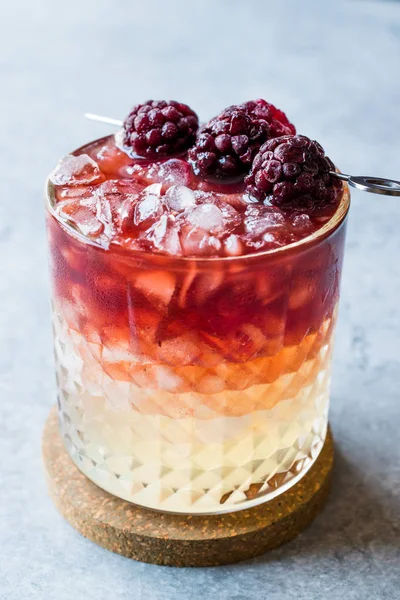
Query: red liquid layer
{"points": [[185, 312]]}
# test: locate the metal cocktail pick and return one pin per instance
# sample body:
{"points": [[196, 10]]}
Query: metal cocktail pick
{"points": [[375, 185]]}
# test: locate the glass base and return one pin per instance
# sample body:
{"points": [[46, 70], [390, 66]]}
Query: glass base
{"points": [[191, 501]]}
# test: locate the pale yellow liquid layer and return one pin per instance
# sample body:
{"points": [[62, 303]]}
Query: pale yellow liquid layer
{"points": [[173, 451]]}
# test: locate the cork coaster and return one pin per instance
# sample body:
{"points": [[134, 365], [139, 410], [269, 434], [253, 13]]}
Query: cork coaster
{"points": [[177, 540]]}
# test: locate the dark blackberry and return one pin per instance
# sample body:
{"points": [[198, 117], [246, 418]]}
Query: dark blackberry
{"points": [[293, 172], [278, 122], [159, 128], [227, 144]]}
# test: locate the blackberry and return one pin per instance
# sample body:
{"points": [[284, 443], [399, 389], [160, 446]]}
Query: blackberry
{"points": [[278, 122], [293, 172], [158, 128], [227, 144]]}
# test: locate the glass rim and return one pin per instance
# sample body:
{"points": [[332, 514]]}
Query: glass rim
{"points": [[321, 234]]}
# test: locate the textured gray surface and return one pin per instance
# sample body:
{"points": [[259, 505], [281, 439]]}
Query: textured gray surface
{"points": [[334, 67]]}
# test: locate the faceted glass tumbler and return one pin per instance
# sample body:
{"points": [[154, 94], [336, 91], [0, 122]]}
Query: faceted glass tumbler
{"points": [[194, 385]]}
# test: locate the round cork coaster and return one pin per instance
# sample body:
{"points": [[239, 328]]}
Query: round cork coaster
{"points": [[180, 540]]}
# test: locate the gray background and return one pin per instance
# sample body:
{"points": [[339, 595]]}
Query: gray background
{"points": [[334, 67]]}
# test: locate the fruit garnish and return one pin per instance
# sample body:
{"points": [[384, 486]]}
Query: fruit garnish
{"points": [[278, 122], [227, 144], [293, 172], [158, 128]]}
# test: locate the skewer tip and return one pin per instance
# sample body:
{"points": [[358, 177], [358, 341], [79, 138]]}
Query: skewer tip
{"points": [[102, 119]]}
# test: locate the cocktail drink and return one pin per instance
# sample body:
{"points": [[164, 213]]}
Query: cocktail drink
{"points": [[194, 301]]}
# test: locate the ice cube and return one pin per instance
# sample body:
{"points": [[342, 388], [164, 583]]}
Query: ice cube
{"points": [[302, 224], [191, 239], [235, 200], [233, 246], [108, 212], [81, 191], [164, 235], [302, 292], [269, 238], [261, 220], [157, 286], [268, 241], [147, 210], [91, 227], [231, 217], [175, 172], [104, 211], [120, 198], [171, 242], [157, 232], [252, 244], [210, 243], [76, 170], [272, 240], [119, 187], [199, 242], [179, 198], [112, 161], [207, 217], [170, 172], [82, 213], [154, 188], [206, 284]]}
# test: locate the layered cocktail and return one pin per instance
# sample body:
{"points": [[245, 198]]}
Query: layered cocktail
{"points": [[195, 288]]}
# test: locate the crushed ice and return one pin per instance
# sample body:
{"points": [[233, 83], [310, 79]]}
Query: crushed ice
{"points": [[167, 215], [179, 198], [76, 170], [206, 216]]}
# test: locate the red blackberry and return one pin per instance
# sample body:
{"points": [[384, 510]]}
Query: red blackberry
{"points": [[159, 128], [293, 172], [278, 122], [227, 144]]}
